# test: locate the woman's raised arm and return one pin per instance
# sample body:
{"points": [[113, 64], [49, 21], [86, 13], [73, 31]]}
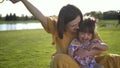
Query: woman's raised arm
{"points": [[34, 11]]}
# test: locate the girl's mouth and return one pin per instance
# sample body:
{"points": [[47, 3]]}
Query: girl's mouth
{"points": [[84, 40]]}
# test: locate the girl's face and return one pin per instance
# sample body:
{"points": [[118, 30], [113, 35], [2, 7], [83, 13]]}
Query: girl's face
{"points": [[72, 27], [85, 37]]}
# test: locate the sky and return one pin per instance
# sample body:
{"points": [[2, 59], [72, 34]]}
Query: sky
{"points": [[52, 7]]}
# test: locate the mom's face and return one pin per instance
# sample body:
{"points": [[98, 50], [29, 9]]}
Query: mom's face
{"points": [[72, 27]]}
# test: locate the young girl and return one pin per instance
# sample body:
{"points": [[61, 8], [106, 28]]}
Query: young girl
{"points": [[85, 47]]}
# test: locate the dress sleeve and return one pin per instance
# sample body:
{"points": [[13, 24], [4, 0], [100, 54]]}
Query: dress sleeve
{"points": [[51, 25], [73, 47]]}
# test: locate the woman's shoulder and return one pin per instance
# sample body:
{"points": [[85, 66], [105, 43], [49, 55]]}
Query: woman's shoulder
{"points": [[53, 18], [51, 25]]}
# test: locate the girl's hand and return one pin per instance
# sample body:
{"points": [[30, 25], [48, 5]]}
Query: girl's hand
{"points": [[14, 1], [93, 46]]}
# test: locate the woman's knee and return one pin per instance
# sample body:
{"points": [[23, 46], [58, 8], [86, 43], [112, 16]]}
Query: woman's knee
{"points": [[98, 66], [61, 56], [63, 61]]}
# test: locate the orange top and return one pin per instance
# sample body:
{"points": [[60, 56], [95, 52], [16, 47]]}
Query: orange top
{"points": [[61, 44]]}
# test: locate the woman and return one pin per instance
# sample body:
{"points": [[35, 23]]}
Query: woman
{"points": [[63, 29]]}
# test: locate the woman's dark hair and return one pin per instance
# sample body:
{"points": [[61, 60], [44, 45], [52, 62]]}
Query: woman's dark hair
{"points": [[87, 26], [67, 14]]}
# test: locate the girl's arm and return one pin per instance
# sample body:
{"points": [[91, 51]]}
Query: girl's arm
{"points": [[97, 49], [95, 52], [34, 11], [98, 44], [101, 46]]}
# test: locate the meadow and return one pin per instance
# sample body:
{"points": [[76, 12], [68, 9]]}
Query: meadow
{"points": [[33, 48]]}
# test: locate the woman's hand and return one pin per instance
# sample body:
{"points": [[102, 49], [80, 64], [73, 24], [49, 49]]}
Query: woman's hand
{"points": [[14, 1]]}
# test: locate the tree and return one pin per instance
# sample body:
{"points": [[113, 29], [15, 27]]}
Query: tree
{"points": [[0, 16], [96, 14], [118, 16], [14, 17], [11, 17], [6, 17], [110, 15]]}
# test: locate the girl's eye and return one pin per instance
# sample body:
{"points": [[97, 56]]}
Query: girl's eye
{"points": [[82, 33]]}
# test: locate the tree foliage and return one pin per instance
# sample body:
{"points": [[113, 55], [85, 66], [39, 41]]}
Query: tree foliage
{"points": [[108, 15], [13, 17]]}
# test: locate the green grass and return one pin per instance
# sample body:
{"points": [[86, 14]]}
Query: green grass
{"points": [[33, 48], [110, 34], [111, 37], [25, 49], [107, 23]]}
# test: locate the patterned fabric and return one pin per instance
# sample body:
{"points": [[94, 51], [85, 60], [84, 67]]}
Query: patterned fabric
{"points": [[88, 60]]}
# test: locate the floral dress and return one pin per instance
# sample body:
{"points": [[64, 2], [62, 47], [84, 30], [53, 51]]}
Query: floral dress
{"points": [[87, 61]]}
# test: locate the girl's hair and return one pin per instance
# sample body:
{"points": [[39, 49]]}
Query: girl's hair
{"points": [[87, 26], [67, 14]]}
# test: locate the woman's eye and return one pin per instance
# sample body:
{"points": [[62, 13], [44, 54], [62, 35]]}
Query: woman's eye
{"points": [[72, 25], [89, 33]]}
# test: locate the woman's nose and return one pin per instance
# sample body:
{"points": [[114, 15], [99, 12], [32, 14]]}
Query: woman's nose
{"points": [[77, 27]]}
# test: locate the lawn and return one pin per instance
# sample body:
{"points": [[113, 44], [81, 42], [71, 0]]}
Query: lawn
{"points": [[25, 49], [33, 48]]}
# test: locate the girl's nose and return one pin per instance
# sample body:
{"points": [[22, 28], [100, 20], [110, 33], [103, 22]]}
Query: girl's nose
{"points": [[85, 35]]}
